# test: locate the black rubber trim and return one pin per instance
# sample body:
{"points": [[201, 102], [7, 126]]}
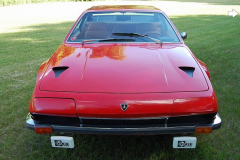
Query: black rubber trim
{"points": [[124, 131]]}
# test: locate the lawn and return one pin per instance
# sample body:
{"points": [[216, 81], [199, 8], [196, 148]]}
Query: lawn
{"points": [[218, 2], [213, 39]]}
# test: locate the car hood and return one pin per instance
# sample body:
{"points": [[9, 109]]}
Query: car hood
{"points": [[119, 68]]}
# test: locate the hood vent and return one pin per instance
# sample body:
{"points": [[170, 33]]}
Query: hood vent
{"points": [[59, 70], [188, 70]]}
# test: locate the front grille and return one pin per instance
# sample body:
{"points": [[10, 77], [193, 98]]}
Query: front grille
{"points": [[191, 120], [149, 122], [56, 120], [125, 122]]}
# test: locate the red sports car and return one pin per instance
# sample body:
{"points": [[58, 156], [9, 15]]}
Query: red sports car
{"points": [[123, 70]]}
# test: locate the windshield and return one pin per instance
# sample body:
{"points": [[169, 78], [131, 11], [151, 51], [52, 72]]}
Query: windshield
{"points": [[105, 25]]}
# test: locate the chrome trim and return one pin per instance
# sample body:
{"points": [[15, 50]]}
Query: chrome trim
{"points": [[55, 126], [166, 120], [29, 119], [184, 35], [143, 118], [124, 106], [217, 122]]}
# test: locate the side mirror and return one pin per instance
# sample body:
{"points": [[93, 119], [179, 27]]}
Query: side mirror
{"points": [[184, 35]]}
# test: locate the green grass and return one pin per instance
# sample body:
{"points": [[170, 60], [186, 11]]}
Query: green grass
{"points": [[213, 39], [216, 2], [17, 2]]}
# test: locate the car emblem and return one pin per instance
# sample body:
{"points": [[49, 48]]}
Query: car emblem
{"points": [[124, 106]]}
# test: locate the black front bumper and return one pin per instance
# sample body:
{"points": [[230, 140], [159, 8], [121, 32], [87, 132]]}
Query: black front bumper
{"points": [[124, 130]]}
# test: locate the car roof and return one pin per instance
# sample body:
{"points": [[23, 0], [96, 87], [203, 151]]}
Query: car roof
{"points": [[123, 7]]}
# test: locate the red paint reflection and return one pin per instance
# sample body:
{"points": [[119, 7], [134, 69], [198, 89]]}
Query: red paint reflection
{"points": [[113, 52]]}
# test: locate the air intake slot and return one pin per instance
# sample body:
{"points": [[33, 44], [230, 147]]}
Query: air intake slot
{"points": [[59, 70], [188, 70]]}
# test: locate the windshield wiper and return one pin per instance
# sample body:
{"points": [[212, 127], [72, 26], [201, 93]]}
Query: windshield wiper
{"points": [[137, 35], [88, 40], [106, 40], [116, 39]]}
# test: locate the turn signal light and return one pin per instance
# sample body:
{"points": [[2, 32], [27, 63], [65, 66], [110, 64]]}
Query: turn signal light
{"points": [[203, 130], [43, 130]]}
